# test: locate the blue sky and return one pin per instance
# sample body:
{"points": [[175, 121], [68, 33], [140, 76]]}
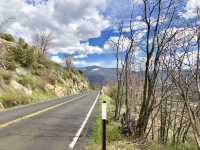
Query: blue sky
{"points": [[82, 28]]}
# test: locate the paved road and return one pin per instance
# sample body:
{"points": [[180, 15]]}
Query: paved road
{"points": [[49, 125]]}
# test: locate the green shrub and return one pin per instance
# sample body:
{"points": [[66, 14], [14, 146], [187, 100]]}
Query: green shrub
{"points": [[64, 76], [22, 56], [11, 65], [10, 98], [7, 37], [113, 133], [25, 57], [45, 62], [96, 134], [16, 54], [59, 79], [183, 146], [31, 57], [41, 95], [37, 69], [22, 43], [6, 76], [52, 79], [40, 84], [25, 80], [68, 74], [80, 72]]}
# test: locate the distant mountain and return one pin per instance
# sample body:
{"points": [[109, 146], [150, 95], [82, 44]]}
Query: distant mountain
{"points": [[99, 75], [102, 76]]}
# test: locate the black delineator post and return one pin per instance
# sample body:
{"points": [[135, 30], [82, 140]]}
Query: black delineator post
{"points": [[104, 107]]}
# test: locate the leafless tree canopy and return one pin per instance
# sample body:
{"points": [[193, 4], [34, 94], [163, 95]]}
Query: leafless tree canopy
{"points": [[44, 41], [68, 60], [162, 100]]}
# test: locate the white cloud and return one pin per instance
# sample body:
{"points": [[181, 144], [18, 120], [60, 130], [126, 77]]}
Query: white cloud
{"points": [[136, 25], [57, 59], [139, 18], [139, 35], [83, 63], [80, 56], [69, 21], [137, 2], [191, 8], [124, 42], [119, 10], [83, 48], [110, 45]]}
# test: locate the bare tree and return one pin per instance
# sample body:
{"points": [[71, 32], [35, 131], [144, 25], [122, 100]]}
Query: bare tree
{"points": [[165, 110], [155, 45], [117, 47], [197, 72], [183, 73], [44, 41], [68, 60]]}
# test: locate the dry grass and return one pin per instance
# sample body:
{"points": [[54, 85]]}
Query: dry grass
{"points": [[123, 144], [117, 141]]}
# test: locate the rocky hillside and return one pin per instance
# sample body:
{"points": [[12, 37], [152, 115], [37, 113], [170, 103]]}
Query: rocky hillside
{"points": [[27, 76]]}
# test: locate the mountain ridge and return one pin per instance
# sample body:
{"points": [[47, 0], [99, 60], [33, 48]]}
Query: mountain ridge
{"points": [[98, 75]]}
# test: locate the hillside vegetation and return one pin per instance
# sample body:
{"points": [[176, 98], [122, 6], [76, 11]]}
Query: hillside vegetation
{"points": [[27, 76]]}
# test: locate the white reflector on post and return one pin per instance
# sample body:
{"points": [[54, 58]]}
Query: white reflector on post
{"points": [[104, 110], [104, 117]]}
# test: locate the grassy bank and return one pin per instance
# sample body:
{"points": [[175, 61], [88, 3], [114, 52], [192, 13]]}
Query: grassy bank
{"points": [[117, 141]]}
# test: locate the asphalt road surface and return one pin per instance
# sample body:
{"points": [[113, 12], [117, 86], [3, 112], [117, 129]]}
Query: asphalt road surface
{"points": [[49, 125]]}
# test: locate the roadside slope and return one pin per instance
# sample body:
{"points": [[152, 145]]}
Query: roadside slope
{"points": [[34, 77]]}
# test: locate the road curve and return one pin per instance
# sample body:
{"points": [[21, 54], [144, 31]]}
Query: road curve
{"points": [[49, 125]]}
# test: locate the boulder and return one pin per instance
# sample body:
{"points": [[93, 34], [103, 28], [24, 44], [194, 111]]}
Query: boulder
{"points": [[1, 107], [59, 91], [21, 71], [20, 87], [49, 87]]}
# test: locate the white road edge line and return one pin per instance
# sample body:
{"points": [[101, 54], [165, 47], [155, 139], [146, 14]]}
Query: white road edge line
{"points": [[76, 137]]}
